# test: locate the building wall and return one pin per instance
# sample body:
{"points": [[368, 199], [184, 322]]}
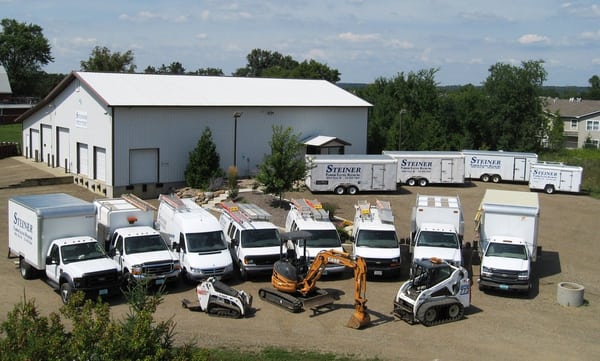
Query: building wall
{"points": [[577, 130]]}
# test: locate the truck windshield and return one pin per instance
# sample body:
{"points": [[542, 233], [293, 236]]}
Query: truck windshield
{"points": [[437, 239], [260, 238], [140, 244], [206, 241], [82, 252], [377, 239], [323, 239], [507, 250]]}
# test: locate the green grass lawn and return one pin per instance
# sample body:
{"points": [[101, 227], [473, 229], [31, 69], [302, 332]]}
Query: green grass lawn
{"points": [[10, 133]]}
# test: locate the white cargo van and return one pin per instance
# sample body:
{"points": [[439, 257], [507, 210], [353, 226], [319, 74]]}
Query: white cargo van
{"points": [[429, 167], [196, 237], [309, 215], [374, 238], [53, 234], [253, 240], [497, 165], [556, 177], [351, 173]]}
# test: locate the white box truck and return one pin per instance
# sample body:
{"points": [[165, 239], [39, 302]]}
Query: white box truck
{"points": [[196, 236], [53, 234], [498, 166], [351, 173], [127, 223], [437, 229], [428, 167], [374, 238], [553, 177], [507, 225]]}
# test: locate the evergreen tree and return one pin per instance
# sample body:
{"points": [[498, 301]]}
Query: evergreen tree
{"points": [[204, 163]]}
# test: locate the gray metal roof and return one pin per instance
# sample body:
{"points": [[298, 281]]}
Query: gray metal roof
{"points": [[130, 89], [575, 108], [4, 82]]}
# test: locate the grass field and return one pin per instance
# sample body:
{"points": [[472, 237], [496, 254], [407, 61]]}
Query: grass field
{"points": [[10, 133]]}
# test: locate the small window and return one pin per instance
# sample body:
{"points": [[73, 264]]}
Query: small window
{"points": [[573, 124]]}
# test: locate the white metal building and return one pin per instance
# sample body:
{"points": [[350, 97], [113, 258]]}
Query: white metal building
{"points": [[123, 132]]}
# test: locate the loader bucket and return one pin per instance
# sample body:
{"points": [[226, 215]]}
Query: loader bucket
{"points": [[359, 320]]}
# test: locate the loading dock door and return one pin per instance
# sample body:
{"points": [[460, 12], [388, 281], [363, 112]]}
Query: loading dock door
{"points": [[143, 166], [46, 143], [82, 159], [100, 164], [62, 148], [35, 144]]}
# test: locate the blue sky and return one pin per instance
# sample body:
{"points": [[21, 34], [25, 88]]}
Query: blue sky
{"points": [[363, 39]]}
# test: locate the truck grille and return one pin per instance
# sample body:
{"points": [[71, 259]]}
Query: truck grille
{"points": [[378, 263], [213, 271], [264, 260], [504, 276], [100, 279], [157, 268]]}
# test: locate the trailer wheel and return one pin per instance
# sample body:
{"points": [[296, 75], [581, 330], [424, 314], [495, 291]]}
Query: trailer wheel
{"points": [[423, 182], [496, 178], [549, 188], [352, 190], [485, 177], [411, 182], [65, 292], [339, 190], [27, 272]]}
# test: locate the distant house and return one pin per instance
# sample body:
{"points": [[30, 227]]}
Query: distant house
{"points": [[581, 120], [10, 108], [123, 132]]}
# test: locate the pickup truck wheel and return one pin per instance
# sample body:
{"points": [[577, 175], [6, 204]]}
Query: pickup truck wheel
{"points": [[27, 272], [549, 189], [243, 272], [485, 178], [411, 182], [65, 292], [352, 190], [496, 178], [339, 190]]}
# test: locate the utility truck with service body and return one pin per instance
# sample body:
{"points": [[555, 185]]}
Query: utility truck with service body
{"points": [[54, 234], [556, 177], [429, 167], [252, 238], [134, 244], [437, 229], [498, 166], [196, 236], [374, 238], [351, 173], [437, 292], [309, 215], [507, 225]]}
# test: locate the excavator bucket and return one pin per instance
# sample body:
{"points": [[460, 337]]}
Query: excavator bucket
{"points": [[359, 319]]}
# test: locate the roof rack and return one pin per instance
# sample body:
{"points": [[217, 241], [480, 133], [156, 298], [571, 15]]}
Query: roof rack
{"points": [[138, 202], [364, 207], [245, 212], [385, 211], [310, 209], [173, 201]]}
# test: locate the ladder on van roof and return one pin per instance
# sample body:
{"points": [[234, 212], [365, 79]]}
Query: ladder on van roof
{"points": [[385, 211], [138, 202], [173, 201], [308, 208], [245, 212]]}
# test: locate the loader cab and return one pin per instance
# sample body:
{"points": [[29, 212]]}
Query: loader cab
{"points": [[430, 272]]}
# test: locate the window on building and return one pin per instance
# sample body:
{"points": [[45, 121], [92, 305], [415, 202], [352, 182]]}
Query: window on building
{"points": [[574, 124], [593, 125], [596, 142]]}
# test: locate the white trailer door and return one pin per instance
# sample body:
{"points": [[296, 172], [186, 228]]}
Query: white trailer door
{"points": [[378, 174], [143, 166], [520, 170], [446, 176], [62, 148]]}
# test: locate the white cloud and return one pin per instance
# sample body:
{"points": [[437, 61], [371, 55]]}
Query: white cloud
{"points": [[596, 61], [355, 38], [400, 44], [533, 39], [590, 35], [79, 41], [143, 16], [475, 61], [201, 36]]}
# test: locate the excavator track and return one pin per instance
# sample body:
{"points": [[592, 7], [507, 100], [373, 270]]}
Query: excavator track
{"points": [[222, 309], [280, 299], [441, 311]]}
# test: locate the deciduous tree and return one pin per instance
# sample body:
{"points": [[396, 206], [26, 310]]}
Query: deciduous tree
{"points": [[103, 59]]}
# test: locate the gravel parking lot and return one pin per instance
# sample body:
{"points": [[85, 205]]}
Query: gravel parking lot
{"points": [[498, 326]]}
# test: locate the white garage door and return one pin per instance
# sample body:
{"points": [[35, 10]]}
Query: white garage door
{"points": [[62, 153], [143, 166], [46, 142], [100, 164], [82, 159], [35, 144]]}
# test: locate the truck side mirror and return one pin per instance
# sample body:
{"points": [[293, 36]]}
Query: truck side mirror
{"points": [[112, 252], [175, 246], [50, 260]]}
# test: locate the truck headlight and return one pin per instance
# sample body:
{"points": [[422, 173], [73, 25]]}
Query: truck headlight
{"points": [[486, 271], [177, 266], [196, 270], [136, 270], [523, 275], [248, 261]]}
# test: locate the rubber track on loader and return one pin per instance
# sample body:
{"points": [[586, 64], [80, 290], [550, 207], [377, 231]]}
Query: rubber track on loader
{"points": [[281, 299], [441, 315], [222, 309]]}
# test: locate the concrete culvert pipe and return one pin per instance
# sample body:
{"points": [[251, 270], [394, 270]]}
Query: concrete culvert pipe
{"points": [[570, 294]]}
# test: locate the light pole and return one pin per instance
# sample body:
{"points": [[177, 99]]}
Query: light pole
{"points": [[236, 115], [402, 111]]}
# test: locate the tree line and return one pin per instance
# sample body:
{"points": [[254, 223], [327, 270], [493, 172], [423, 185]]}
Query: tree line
{"points": [[410, 111]]}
